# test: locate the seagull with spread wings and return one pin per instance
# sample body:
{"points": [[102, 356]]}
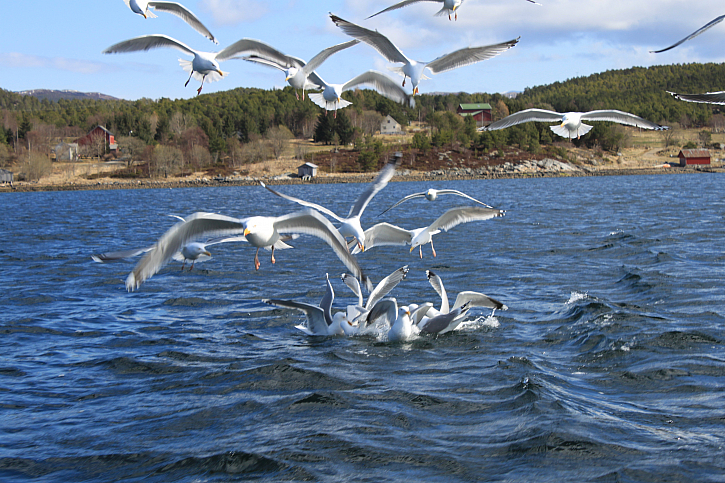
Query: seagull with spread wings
{"points": [[143, 8], [449, 7], [432, 195], [415, 70]]}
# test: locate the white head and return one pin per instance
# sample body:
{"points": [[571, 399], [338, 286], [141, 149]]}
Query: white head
{"points": [[337, 326], [290, 73], [194, 250]]}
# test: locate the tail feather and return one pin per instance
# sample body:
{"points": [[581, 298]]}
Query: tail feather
{"points": [[443, 11], [320, 100], [150, 14]]}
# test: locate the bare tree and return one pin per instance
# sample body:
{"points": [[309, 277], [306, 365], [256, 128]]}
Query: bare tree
{"points": [[198, 157], [669, 137], [132, 148], [717, 123], [371, 122], [278, 138], [166, 161], [5, 156], [36, 166]]}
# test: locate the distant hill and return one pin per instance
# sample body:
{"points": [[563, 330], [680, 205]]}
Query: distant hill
{"points": [[55, 95]]}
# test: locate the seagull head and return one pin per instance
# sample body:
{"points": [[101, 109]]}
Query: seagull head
{"points": [[290, 73]]}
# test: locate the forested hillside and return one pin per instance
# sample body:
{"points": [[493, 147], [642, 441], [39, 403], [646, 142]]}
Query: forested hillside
{"points": [[227, 123]]}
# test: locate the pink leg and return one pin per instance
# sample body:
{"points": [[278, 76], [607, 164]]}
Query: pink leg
{"points": [[256, 259], [183, 265], [192, 265], [420, 251], [432, 248], [273, 260]]}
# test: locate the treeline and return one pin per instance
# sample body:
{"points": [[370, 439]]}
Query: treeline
{"points": [[225, 122]]}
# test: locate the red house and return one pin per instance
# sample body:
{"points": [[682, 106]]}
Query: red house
{"points": [[99, 131], [694, 156], [480, 112]]}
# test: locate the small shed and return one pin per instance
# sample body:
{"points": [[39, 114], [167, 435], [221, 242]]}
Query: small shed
{"points": [[66, 152], [480, 112], [690, 157], [6, 176], [307, 170], [390, 126]]}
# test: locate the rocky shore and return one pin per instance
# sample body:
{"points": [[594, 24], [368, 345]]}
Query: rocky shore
{"points": [[525, 169]]}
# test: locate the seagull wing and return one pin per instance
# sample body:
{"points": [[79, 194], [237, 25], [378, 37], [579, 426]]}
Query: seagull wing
{"points": [[315, 316], [304, 203], [354, 285], [386, 285], [463, 214], [437, 285], [326, 302], [708, 97], [186, 15], [225, 239], [310, 222], [380, 182], [462, 194], [527, 115], [694, 34], [476, 299], [402, 4], [196, 226], [256, 48], [383, 84], [420, 312], [317, 60], [445, 322], [373, 38], [469, 55], [387, 308], [620, 117], [409, 197], [113, 256], [148, 42], [386, 234]]}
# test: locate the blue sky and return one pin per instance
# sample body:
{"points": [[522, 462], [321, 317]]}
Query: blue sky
{"points": [[57, 44]]}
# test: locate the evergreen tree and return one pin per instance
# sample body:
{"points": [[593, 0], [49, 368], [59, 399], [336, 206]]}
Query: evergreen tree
{"points": [[344, 128], [325, 128]]}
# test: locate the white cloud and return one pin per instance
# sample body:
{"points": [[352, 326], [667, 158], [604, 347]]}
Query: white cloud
{"points": [[232, 12], [26, 61]]}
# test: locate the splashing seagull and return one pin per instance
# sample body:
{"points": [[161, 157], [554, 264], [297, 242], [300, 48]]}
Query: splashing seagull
{"points": [[432, 195], [351, 224], [204, 66], [387, 234], [415, 70], [299, 74], [449, 7], [571, 124], [694, 34], [143, 8]]}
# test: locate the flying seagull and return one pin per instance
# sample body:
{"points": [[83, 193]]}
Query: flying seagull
{"points": [[143, 8], [432, 195], [204, 66], [449, 7], [415, 70], [299, 74], [570, 123], [694, 34], [331, 99]]}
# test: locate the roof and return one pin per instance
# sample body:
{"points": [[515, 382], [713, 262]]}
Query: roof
{"points": [[475, 113], [471, 107], [694, 153], [311, 165], [101, 127]]}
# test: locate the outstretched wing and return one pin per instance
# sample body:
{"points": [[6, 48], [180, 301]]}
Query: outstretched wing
{"points": [[621, 117], [380, 182], [308, 204], [316, 323], [437, 285], [409, 197], [186, 15], [326, 302], [463, 214], [527, 115], [402, 4], [255, 48], [386, 285], [694, 34], [317, 60], [461, 194], [469, 55], [385, 234], [196, 226], [120, 255], [476, 299], [148, 42], [354, 285], [708, 97], [375, 39], [384, 85]]}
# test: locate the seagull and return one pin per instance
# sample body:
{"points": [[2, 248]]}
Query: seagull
{"points": [[260, 231], [299, 74], [414, 69], [694, 34], [191, 251], [449, 7], [387, 234], [571, 122], [362, 316], [204, 66], [320, 320], [351, 224], [331, 99], [471, 299], [440, 324], [142, 7], [432, 195], [402, 329], [707, 98]]}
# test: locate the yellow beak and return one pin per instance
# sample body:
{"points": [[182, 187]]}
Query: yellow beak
{"points": [[246, 231], [411, 249], [207, 254]]}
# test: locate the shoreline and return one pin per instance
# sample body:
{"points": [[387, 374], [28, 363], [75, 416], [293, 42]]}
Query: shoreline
{"points": [[108, 184]]}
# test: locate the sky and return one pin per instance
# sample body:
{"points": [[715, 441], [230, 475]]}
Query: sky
{"points": [[53, 44]]}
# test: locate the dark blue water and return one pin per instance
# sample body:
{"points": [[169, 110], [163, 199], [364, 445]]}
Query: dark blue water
{"points": [[608, 366]]}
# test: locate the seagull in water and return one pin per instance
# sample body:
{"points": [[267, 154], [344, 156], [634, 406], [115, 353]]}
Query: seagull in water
{"points": [[415, 70], [570, 123], [298, 74], [694, 34], [449, 7], [432, 195], [204, 66], [387, 234], [362, 316], [260, 231], [350, 226], [143, 8]]}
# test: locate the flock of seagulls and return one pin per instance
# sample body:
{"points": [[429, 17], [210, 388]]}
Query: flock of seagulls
{"points": [[380, 315]]}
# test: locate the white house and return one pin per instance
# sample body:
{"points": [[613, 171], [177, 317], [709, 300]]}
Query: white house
{"points": [[390, 126], [66, 152], [307, 170]]}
